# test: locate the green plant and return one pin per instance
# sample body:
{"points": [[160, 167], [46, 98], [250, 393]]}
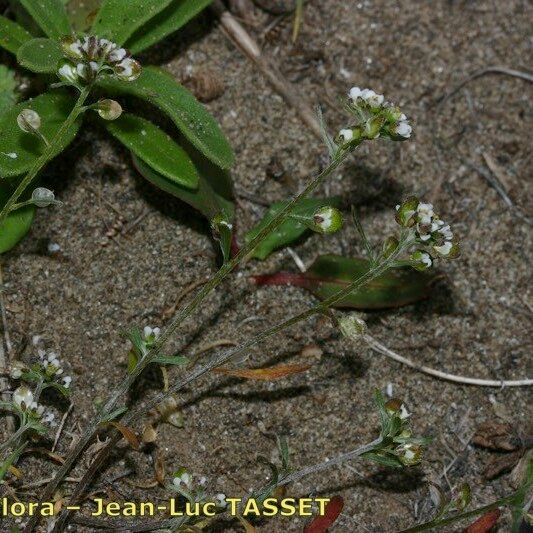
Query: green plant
{"points": [[83, 70]]}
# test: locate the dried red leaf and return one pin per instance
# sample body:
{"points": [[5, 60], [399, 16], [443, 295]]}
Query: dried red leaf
{"points": [[264, 374], [485, 523], [320, 524]]}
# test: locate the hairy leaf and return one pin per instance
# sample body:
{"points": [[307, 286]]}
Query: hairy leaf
{"points": [[171, 19], [385, 460], [190, 116], [12, 35], [320, 524], [40, 55], [171, 360], [155, 148], [264, 374], [8, 86], [50, 15], [118, 19], [212, 197], [17, 223], [19, 149], [331, 273], [290, 230], [82, 13]]}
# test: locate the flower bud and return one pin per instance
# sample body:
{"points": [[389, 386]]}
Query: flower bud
{"points": [[109, 109], [128, 70], [68, 73], [396, 406], [409, 454], [448, 249], [353, 327], [327, 220], [71, 47], [16, 370], [421, 260], [29, 120], [23, 397], [43, 197], [406, 210], [389, 246]]}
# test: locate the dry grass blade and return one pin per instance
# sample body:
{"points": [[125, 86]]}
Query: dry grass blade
{"points": [[128, 434]]}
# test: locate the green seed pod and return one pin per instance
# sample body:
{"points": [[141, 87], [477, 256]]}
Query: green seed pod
{"points": [[29, 120], [43, 197], [327, 220], [109, 109], [389, 246], [353, 327], [406, 210], [409, 454]]}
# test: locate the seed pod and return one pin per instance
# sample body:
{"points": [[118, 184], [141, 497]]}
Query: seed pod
{"points": [[43, 197], [389, 246], [406, 210], [29, 120], [327, 219], [109, 109], [352, 327]]}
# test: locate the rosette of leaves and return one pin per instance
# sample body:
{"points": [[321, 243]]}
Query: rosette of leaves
{"points": [[35, 38]]}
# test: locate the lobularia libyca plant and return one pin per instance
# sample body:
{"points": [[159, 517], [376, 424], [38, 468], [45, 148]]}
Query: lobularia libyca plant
{"points": [[94, 59]]}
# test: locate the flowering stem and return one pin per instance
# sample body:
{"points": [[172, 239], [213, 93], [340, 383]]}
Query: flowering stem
{"points": [[47, 154], [226, 269]]}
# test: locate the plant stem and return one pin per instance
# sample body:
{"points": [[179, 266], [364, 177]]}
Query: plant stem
{"points": [[14, 438], [47, 155], [216, 361], [175, 323]]}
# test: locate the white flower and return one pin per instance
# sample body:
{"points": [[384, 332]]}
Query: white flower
{"points": [[446, 232], [372, 98], [49, 418], [67, 380], [404, 413], [23, 395], [346, 135], [425, 210], [128, 70], [68, 73], [29, 120], [16, 370], [403, 128], [220, 500], [75, 49], [117, 55], [182, 480], [355, 93], [151, 333], [444, 249]]}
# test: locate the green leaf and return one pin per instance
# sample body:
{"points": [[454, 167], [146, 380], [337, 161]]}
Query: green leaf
{"points": [[82, 13], [12, 35], [40, 55], [171, 360], [385, 460], [17, 223], [118, 19], [155, 148], [331, 273], [19, 150], [160, 89], [171, 19], [288, 231], [212, 197], [8, 86], [50, 15]]}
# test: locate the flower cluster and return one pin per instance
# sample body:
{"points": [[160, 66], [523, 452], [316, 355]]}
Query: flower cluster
{"points": [[90, 55], [398, 447], [376, 117], [151, 335], [192, 487], [23, 398], [429, 231], [52, 368]]}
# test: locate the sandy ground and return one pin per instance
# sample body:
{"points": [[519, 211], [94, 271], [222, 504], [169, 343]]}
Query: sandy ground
{"points": [[476, 323]]}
